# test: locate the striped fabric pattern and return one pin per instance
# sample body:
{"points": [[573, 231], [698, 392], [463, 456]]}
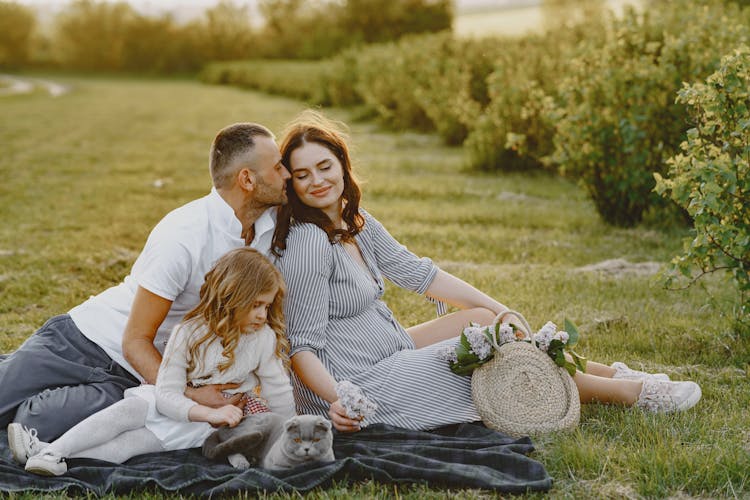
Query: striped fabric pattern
{"points": [[334, 308]]}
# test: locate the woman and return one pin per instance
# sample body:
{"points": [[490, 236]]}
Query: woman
{"points": [[334, 256]]}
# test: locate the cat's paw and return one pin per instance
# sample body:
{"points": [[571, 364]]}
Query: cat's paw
{"points": [[238, 461]]}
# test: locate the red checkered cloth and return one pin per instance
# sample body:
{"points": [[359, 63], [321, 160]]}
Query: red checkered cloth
{"points": [[252, 405]]}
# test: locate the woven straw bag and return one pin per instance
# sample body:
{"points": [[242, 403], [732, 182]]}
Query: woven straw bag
{"points": [[521, 391]]}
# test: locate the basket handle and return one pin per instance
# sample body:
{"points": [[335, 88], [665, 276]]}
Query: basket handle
{"points": [[524, 327]]}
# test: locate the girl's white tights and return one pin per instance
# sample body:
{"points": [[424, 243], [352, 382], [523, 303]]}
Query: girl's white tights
{"points": [[114, 434]]}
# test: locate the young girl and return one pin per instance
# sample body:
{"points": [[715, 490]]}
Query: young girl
{"points": [[235, 335]]}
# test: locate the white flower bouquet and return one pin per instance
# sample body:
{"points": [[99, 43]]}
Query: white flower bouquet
{"points": [[355, 402], [478, 343]]}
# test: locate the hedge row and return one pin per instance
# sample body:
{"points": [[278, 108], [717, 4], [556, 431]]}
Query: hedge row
{"points": [[594, 101]]}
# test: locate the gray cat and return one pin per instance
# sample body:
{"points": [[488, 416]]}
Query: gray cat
{"points": [[268, 440], [305, 438]]}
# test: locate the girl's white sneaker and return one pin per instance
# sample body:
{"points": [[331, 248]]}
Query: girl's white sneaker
{"points": [[47, 464], [623, 371], [660, 396], [23, 442]]}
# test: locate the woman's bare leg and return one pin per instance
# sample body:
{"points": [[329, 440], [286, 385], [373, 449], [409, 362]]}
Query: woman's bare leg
{"points": [[592, 388], [448, 326], [594, 368]]}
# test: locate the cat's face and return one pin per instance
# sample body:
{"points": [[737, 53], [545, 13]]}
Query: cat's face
{"points": [[307, 437]]}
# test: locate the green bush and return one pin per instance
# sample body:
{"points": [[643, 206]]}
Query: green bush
{"points": [[388, 75], [453, 89], [426, 82], [617, 122], [710, 177], [315, 30], [114, 37], [89, 35], [304, 80], [375, 21], [16, 29], [514, 132], [341, 78]]}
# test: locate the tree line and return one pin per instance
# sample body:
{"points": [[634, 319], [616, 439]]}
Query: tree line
{"points": [[90, 35]]}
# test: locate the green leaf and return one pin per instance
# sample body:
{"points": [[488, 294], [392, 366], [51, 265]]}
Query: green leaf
{"points": [[490, 337], [465, 341], [555, 345], [462, 370], [579, 360], [571, 368], [464, 355], [573, 334], [560, 358]]}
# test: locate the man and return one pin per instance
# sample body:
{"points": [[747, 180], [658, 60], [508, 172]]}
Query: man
{"points": [[83, 361]]}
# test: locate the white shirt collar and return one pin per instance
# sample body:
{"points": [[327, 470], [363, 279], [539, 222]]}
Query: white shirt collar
{"points": [[266, 223], [227, 221], [225, 218]]}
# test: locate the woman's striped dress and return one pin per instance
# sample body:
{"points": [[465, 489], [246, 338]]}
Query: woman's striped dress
{"points": [[333, 308]]}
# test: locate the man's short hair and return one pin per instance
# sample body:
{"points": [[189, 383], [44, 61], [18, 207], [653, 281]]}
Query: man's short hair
{"points": [[230, 143]]}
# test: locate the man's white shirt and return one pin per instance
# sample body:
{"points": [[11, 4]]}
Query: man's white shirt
{"points": [[179, 252]]}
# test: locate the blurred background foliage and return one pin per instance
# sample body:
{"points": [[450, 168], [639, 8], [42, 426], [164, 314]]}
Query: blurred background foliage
{"points": [[94, 35], [590, 96]]}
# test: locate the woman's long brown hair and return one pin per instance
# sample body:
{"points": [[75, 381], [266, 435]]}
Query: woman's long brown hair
{"points": [[227, 294], [311, 126]]}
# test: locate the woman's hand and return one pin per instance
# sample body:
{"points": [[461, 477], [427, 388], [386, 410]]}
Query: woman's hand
{"points": [[340, 420], [226, 415], [213, 397]]}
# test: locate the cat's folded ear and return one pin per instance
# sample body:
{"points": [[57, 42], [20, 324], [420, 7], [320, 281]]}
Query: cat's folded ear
{"points": [[323, 424], [291, 424]]}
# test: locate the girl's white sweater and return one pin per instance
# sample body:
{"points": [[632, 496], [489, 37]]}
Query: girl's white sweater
{"points": [[255, 365]]}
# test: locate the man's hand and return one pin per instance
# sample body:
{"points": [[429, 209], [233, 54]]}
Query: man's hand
{"points": [[340, 420], [213, 395]]}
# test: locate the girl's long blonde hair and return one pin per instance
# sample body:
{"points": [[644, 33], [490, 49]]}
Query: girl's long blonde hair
{"points": [[227, 294]]}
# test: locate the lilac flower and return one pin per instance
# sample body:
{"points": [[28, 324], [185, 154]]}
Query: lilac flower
{"points": [[478, 342], [545, 335], [355, 403], [562, 337], [506, 334], [447, 353]]}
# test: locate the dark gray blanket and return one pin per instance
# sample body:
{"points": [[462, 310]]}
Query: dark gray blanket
{"points": [[463, 456]]}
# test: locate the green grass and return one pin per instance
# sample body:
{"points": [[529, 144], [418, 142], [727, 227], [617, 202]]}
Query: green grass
{"points": [[77, 201]]}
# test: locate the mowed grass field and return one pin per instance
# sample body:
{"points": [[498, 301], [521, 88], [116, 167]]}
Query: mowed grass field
{"points": [[86, 175]]}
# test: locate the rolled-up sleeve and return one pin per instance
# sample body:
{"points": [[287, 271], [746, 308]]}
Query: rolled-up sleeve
{"points": [[396, 262], [306, 265]]}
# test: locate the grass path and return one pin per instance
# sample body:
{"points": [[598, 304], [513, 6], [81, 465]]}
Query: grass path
{"points": [[86, 175]]}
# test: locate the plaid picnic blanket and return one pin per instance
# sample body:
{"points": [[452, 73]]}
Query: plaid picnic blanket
{"points": [[462, 456]]}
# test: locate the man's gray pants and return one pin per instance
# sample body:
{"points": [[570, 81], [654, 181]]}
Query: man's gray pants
{"points": [[57, 378]]}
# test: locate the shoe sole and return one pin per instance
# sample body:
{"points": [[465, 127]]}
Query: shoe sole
{"points": [[44, 472], [15, 442]]}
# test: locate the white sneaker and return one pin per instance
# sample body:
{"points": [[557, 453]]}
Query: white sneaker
{"points": [[23, 442], [659, 396], [47, 464], [623, 371]]}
